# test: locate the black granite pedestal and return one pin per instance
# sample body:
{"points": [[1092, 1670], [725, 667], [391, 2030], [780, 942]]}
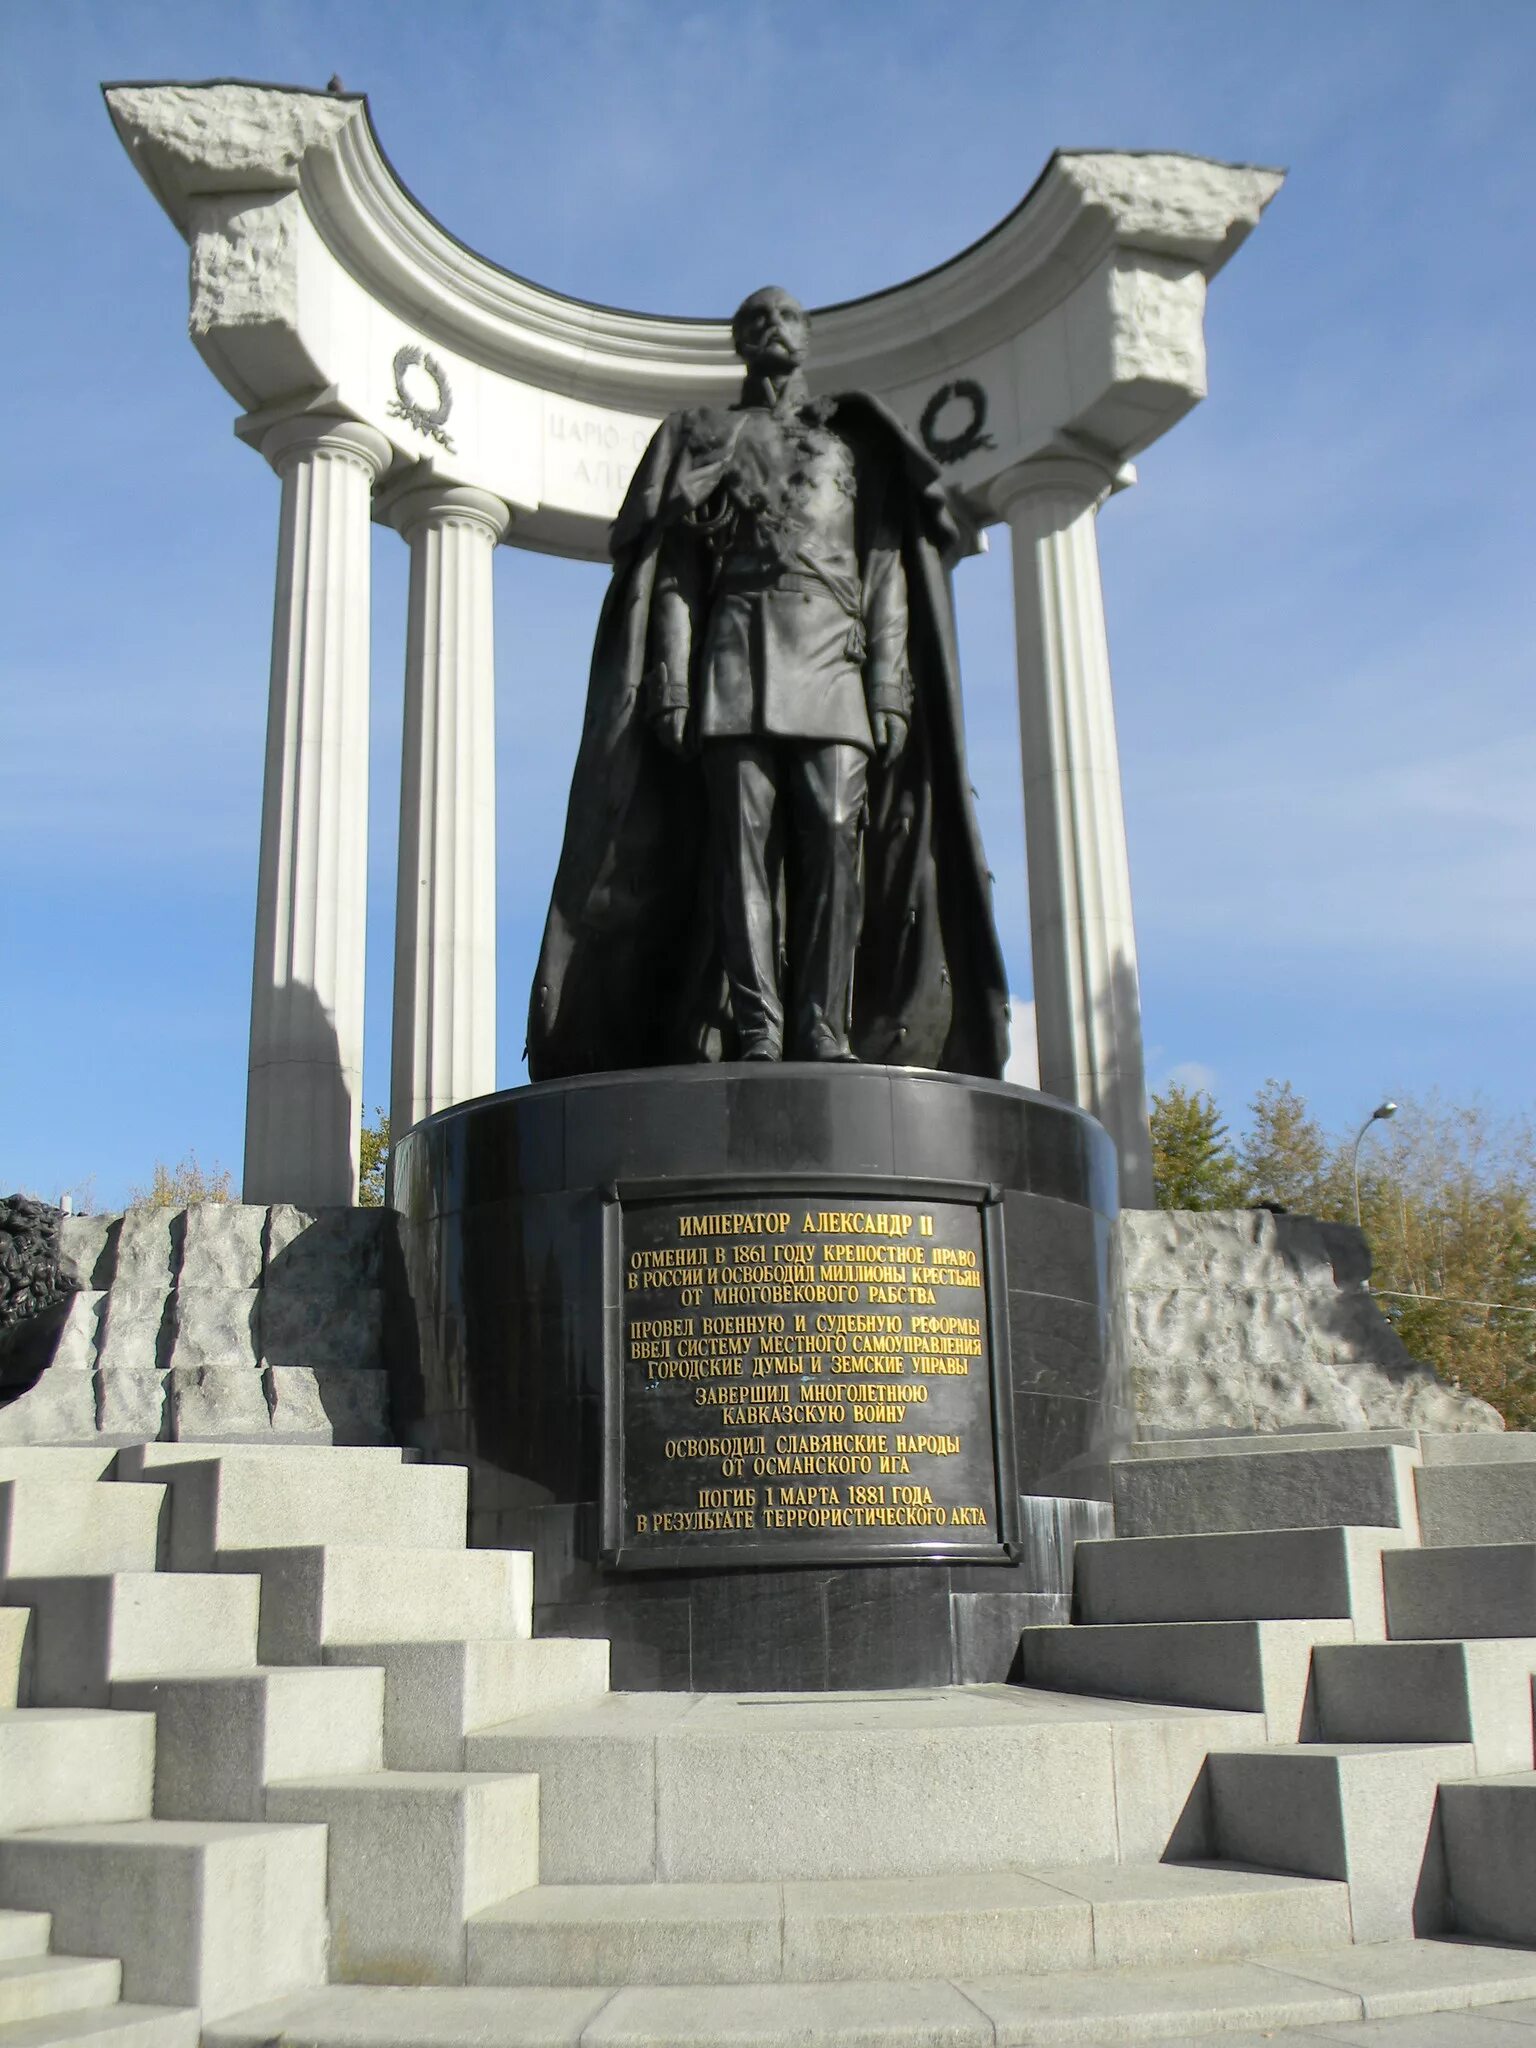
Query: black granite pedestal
{"points": [[791, 1377]]}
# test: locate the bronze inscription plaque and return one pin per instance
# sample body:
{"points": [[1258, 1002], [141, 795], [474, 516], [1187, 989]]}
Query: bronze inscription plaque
{"points": [[804, 1377]]}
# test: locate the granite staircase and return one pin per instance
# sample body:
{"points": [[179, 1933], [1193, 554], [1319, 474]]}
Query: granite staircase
{"points": [[292, 1768], [1375, 1601]]}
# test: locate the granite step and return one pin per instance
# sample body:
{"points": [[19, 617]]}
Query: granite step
{"points": [[639, 1788], [1363, 1485], [845, 1930], [57, 1461], [50, 1527], [1489, 1829], [315, 1597], [1481, 1589], [38, 1987], [1260, 1667], [410, 1857], [1307, 1988], [109, 2026], [15, 1627], [23, 1934], [1476, 1691], [221, 1741], [61, 1765], [437, 1693], [1263, 1575], [234, 1499], [220, 1916], [89, 1632], [1483, 1503], [1360, 1812]]}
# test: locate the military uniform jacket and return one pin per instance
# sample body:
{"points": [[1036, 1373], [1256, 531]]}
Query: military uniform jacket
{"points": [[630, 973], [780, 607]]}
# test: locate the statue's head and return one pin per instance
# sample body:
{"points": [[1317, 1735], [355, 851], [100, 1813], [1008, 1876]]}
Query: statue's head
{"points": [[771, 331]]}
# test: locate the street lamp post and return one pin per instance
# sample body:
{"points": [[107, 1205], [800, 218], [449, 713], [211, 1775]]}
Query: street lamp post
{"points": [[1379, 1114]]}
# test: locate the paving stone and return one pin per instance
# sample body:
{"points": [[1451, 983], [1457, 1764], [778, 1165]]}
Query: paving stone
{"points": [[1421, 1976], [1101, 2006], [362, 2016], [1429, 2030], [778, 2015]]}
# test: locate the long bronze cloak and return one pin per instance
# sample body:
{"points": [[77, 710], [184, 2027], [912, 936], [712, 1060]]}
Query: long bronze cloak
{"points": [[629, 974]]}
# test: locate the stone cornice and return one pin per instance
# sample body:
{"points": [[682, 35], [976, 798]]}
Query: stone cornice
{"points": [[1080, 313]]}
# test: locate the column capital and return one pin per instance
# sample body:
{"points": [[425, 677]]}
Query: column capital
{"points": [[1080, 475], [324, 434], [416, 505]]}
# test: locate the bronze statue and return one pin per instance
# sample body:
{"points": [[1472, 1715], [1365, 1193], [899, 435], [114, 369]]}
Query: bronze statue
{"points": [[771, 849]]}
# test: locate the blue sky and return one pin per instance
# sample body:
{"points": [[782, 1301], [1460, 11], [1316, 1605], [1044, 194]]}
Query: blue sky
{"points": [[1320, 595]]}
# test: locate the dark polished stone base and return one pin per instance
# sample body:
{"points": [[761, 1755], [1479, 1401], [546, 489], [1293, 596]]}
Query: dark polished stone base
{"points": [[502, 1225]]}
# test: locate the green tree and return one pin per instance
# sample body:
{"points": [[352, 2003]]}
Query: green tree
{"points": [[1286, 1156], [179, 1186], [1448, 1203], [373, 1156], [1193, 1164]]}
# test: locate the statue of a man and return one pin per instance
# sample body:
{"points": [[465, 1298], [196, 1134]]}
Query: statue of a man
{"points": [[771, 850]]}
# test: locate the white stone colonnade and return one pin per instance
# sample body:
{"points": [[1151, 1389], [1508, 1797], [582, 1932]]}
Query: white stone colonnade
{"points": [[388, 373]]}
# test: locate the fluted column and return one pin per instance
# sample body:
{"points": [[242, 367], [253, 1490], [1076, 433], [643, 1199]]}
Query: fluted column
{"points": [[304, 1098], [445, 909], [1086, 991]]}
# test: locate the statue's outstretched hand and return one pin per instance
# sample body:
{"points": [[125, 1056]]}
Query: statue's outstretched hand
{"points": [[672, 730], [890, 735]]}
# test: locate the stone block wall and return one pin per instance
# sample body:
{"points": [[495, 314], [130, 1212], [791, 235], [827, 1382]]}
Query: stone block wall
{"points": [[221, 1322], [1243, 1320]]}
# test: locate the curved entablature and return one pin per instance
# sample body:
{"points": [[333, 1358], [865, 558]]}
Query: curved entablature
{"points": [[319, 283]]}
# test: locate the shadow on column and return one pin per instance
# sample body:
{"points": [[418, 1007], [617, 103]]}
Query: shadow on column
{"points": [[302, 1149]]}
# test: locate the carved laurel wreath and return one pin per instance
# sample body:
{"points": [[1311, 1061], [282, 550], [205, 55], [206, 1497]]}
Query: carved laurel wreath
{"points": [[405, 407], [947, 448]]}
